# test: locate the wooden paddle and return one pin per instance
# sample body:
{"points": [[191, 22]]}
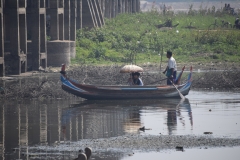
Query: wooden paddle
{"points": [[180, 94]]}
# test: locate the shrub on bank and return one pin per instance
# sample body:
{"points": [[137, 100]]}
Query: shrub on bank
{"points": [[138, 38]]}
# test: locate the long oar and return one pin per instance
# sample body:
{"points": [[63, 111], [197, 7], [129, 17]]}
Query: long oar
{"points": [[180, 94]]}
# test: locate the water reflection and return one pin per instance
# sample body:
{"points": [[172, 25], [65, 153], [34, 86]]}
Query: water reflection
{"points": [[29, 123], [174, 113]]}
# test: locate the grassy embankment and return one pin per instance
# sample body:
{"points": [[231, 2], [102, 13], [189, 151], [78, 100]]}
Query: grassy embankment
{"points": [[134, 38]]}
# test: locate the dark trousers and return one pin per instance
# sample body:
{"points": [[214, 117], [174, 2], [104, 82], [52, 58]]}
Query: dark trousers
{"points": [[172, 79]]}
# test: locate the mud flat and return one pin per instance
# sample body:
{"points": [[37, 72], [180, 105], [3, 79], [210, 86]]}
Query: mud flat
{"points": [[145, 143]]}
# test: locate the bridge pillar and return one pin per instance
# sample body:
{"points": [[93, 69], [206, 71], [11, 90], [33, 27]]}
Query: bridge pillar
{"points": [[87, 15], [134, 6], [123, 6], [101, 10], [2, 66], [107, 9], [67, 19], [116, 8], [15, 22], [73, 20], [131, 7], [38, 34], [120, 6], [72, 44], [127, 6], [53, 12], [138, 6], [61, 46], [79, 15], [113, 9]]}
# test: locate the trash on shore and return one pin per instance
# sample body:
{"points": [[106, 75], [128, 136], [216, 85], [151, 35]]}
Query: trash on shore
{"points": [[179, 148], [143, 129], [207, 132]]}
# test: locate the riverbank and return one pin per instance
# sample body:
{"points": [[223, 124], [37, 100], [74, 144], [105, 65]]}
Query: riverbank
{"points": [[129, 144], [47, 85]]}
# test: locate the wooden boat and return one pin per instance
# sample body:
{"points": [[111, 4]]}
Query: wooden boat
{"points": [[103, 92]]}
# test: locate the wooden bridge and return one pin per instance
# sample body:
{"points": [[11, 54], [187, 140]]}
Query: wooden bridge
{"points": [[42, 33]]}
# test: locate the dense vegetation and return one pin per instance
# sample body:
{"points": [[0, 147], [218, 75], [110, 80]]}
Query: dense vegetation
{"points": [[140, 38]]}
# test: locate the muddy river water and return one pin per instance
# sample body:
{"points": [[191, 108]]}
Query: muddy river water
{"points": [[57, 129]]}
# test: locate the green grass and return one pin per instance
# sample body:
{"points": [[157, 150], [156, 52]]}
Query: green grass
{"points": [[134, 38]]}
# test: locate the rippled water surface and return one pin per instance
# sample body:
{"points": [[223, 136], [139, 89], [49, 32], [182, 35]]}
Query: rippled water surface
{"points": [[27, 124]]}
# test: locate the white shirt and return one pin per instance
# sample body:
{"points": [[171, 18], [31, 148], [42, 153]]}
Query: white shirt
{"points": [[172, 63]]}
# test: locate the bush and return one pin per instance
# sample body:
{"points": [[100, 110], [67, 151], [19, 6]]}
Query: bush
{"points": [[128, 37]]}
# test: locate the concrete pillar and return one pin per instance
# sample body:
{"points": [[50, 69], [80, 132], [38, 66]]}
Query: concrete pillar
{"points": [[138, 5], [43, 38], [120, 6], [61, 19], [126, 6], [23, 41], [113, 9], [38, 28], [134, 5], [97, 8], [110, 8], [58, 53], [130, 6], [73, 20], [87, 16], [94, 14], [18, 42], [2, 66], [53, 12], [102, 9], [67, 19], [116, 8], [72, 43], [107, 9], [79, 15]]}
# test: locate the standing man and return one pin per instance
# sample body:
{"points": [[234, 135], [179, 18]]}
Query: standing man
{"points": [[171, 68]]}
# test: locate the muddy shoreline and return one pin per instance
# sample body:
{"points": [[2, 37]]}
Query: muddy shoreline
{"points": [[46, 84], [140, 143]]}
